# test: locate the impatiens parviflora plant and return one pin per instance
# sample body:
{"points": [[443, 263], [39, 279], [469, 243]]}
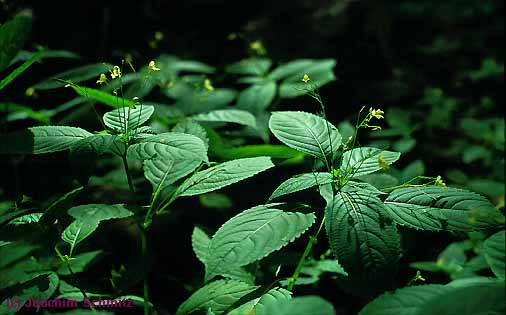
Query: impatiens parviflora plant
{"points": [[168, 158], [360, 219]]}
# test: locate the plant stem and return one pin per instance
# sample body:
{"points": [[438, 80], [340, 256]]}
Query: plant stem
{"points": [[144, 248], [129, 177], [309, 246]]}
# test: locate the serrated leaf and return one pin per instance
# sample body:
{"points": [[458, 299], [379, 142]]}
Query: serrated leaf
{"points": [[437, 208], [252, 235], [200, 244], [301, 182], [98, 144], [26, 219], [303, 305], [259, 305], [13, 35], [43, 139], [191, 127], [125, 119], [217, 296], [361, 235], [223, 175], [353, 186], [493, 249], [306, 133], [75, 75], [99, 212], [257, 97], [365, 160], [228, 115]]}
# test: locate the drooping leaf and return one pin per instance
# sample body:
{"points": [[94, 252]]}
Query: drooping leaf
{"points": [[257, 97], [438, 208], [494, 253], [101, 97], [301, 182], [42, 139], [125, 119], [223, 175], [252, 235], [306, 133], [13, 35], [259, 305], [362, 236], [303, 305], [228, 115], [217, 296], [16, 72], [75, 75], [365, 160]]}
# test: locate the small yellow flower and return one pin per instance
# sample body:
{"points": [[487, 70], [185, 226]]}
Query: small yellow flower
{"points": [[375, 128], [158, 36], [208, 85], [152, 66], [418, 276], [306, 78], [102, 79], [378, 113], [258, 47], [383, 163], [30, 91], [439, 182], [115, 72]]}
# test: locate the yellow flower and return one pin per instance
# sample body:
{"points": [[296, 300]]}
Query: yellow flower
{"points": [[439, 182], [383, 163], [115, 72], [378, 113], [208, 85], [102, 79], [258, 47], [158, 36], [30, 91], [375, 128], [152, 66], [306, 78]]}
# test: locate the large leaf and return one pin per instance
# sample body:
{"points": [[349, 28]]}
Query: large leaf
{"points": [[13, 35], [43, 139], [223, 175], [228, 115], [303, 305], [252, 235], [260, 305], [216, 296], [128, 118], [98, 144], [76, 75], [191, 127], [361, 235], [493, 249], [365, 160], [301, 182], [257, 97], [306, 133], [438, 208]]}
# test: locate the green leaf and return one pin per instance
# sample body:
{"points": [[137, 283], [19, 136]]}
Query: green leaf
{"points": [[252, 235], [259, 305], [320, 72], [98, 144], [228, 115], [257, 97], [76, 75], [77, 231], [493, 249], [99, 212], [223, 175], [16, 72], [306, 133], [43, 139], [438, 208], [215, 200], [20, 112], [366, 188], [252, 66], [295, 68], [361, 235], [217, 296], [200, 244], [24, 55], [303, 305], [79, 263], [59, 206], [26, 219], [191, 127], [301, 182], [128, 118], [13, 35], [101, 97], [365, 160]]}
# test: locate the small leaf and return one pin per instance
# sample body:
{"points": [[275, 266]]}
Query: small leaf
{"points": [[128, 118], [493, 249], [252, 66], [200, 244], [257, 97], [301, 182], [303, 305], [77, 231], [79, 263], [228, 115], [191, 127], [217, 296], [76, 75], [102, 97], [365, 160], [223, 175], [252, 235], [99, 212], [259, 305]]}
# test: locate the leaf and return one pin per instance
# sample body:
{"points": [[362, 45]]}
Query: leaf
{"points": [[361, 234], [306, 133], [259, 305], [251, 66], [13, 35], [191, 127], [78, 263], [24, 55], [128, 118], [60, 205], [16, 72], [223, 175], [290, 69], [437, 208], [303, 305], [320, 72], [365, 188], [43, 139], [99, 212], [301, 182], [77, 231], [493, 249], [365, 160], [75, 75], [217, 296], [101, 97], [200, 244], [215, 201], [19, 112], [26, 219], [257, 97], [228, 115], [252, 235], [98, 144]]}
